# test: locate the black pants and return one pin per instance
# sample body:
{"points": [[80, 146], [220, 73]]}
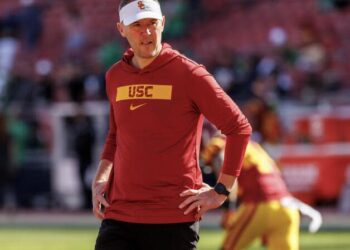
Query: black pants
{"points": [[117, 235]]}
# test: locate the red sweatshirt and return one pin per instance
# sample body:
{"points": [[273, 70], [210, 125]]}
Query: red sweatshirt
{"points": [[156, 116]]}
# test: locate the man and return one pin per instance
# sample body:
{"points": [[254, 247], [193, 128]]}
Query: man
{"points": [[148, 187], [267, 209]]}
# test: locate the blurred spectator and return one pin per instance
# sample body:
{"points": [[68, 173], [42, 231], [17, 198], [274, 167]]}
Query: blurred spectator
{"points": [[20, 90], [312, 51], [84, 143], [45, 82], [76, 86], [223, 70], [4, 159], [8, 50], [30, 17], [94, 84], [19, 133], [311, 61], [264, 121], [75, 40], [70, 83]]}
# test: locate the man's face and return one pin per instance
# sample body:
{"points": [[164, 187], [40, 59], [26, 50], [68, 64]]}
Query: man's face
{"points": [[144, 36]]}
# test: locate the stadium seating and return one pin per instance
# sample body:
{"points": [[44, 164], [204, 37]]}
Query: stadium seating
{"points": [[238, 27]]}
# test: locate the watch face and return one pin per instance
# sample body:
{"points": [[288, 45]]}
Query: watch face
{"points": [[221, 189]]}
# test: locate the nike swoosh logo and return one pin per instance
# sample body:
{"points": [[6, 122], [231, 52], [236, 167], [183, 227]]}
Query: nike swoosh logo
{"points": [[132, 107]]}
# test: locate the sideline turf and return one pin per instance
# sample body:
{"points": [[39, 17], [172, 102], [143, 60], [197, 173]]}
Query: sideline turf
{"points": [[324, 240], [51, 238], [47, 238]]}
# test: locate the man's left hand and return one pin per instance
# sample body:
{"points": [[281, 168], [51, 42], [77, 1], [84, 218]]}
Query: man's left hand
{"points": [[201, 200]]}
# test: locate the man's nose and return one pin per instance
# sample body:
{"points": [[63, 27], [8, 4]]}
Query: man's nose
{"points": [[146, 30]]}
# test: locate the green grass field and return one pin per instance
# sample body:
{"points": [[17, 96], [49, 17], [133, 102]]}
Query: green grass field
{"points": [[50, 238]]}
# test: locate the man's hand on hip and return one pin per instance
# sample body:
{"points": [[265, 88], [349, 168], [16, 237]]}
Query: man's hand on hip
{"points": [[201, 200]]}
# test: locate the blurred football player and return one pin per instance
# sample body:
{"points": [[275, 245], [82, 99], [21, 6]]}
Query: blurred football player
{"points": [[267, 210]]}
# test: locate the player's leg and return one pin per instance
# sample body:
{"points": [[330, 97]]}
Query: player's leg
{"points": [[115, 235], [285, 234], [246, 226], [176, 236]]}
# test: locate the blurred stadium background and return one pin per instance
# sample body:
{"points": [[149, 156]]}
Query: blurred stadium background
{"points": [[285, 62]]}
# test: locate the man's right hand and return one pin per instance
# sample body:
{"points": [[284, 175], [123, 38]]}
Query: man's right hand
{"points": [[98, 199]]}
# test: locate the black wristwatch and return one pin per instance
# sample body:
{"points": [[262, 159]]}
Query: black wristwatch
{"points": [[221, 189]]}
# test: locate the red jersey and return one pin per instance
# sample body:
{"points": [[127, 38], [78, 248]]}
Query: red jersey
{"points": [[156, 116], [260, 179]]}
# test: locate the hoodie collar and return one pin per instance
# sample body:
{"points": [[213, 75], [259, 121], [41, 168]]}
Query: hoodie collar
{"points": [[166, 55]]}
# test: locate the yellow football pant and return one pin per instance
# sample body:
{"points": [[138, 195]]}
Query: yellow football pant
{"points": [[277, 224]]}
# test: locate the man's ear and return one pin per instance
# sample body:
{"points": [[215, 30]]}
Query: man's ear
{"points": [[120, 28], [163, 22]]}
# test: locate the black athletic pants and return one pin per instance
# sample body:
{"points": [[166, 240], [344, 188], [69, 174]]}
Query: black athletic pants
{"points": [[117, 235]]}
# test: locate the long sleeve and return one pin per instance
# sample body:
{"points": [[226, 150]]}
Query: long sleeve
{"points": [[211, 100], [110, 145]]}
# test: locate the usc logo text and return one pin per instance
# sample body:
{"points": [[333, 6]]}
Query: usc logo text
{"points": [[140, 91], [144, 91]]}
